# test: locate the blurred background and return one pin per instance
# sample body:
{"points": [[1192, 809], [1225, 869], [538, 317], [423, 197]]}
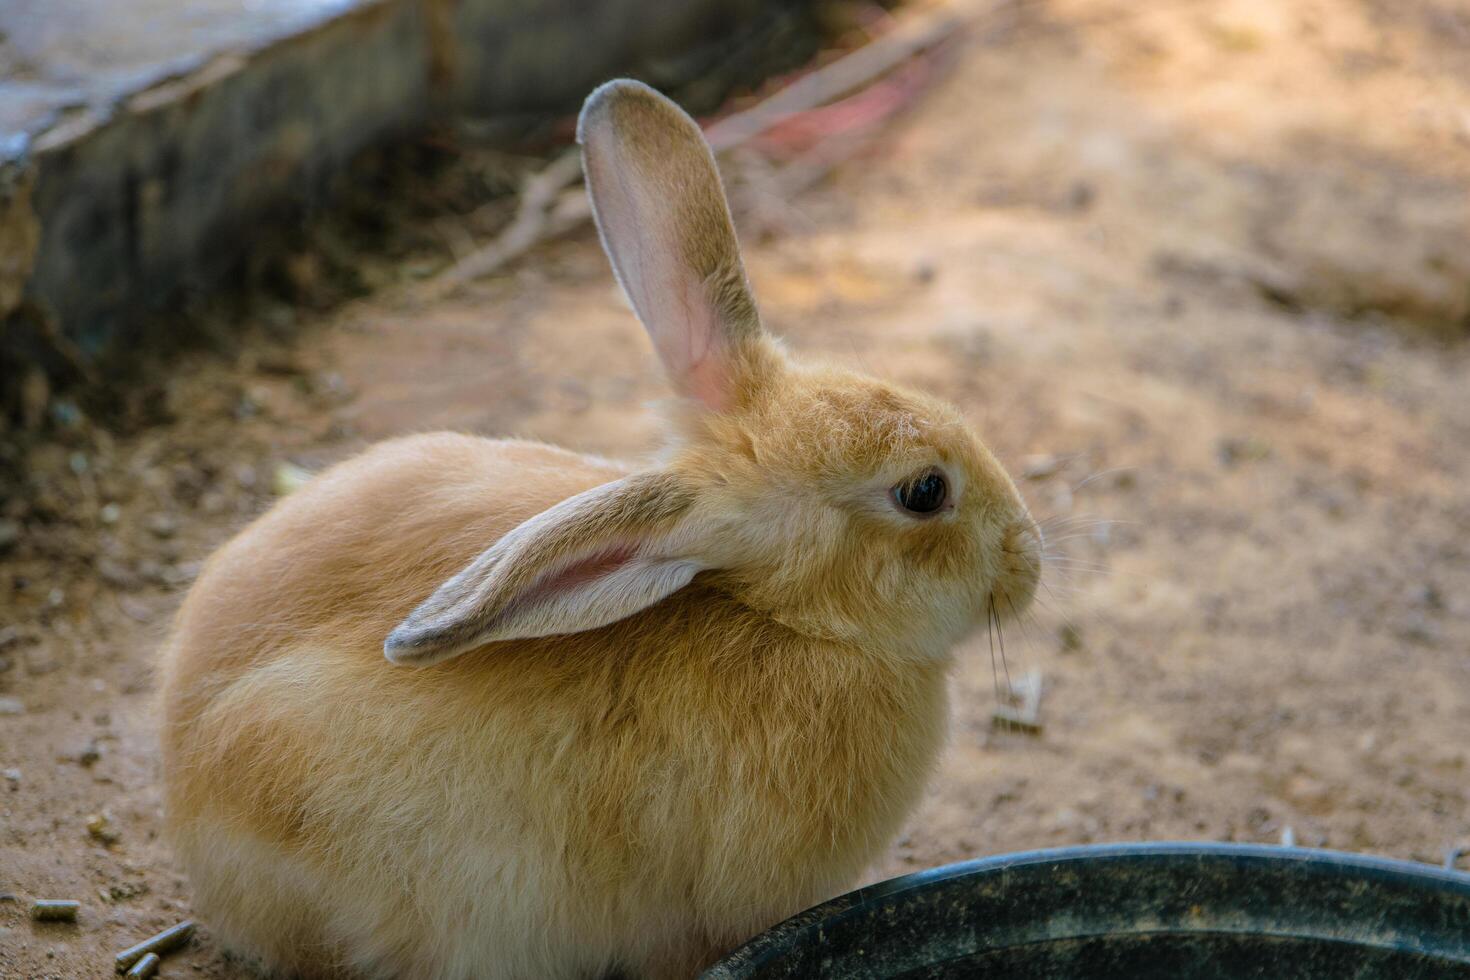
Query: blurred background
{"points": [[1200, 272]]}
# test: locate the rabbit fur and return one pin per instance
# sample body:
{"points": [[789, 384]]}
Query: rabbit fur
{"points": [[628, 716]]}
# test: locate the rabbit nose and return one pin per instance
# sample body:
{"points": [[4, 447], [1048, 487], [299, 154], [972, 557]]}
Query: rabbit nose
{"points": [[1021, 550]]}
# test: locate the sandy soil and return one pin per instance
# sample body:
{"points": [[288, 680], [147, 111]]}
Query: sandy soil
{"points": [[1200, 271]]}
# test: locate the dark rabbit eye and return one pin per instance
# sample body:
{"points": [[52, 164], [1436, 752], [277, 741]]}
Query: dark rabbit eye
{"points": [[924, 494]]}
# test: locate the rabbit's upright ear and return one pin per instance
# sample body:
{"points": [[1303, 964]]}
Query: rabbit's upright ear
{"points": [[666, 227], [590, 560]]}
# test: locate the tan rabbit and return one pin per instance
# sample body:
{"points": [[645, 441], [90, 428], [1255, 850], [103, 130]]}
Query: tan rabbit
{"points": [[628, 716]]}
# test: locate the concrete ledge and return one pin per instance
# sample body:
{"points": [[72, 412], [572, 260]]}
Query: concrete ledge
{"points": [[142, 141]]}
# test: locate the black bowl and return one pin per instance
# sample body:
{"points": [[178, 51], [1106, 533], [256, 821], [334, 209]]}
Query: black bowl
{"points": [[1136, 911]]}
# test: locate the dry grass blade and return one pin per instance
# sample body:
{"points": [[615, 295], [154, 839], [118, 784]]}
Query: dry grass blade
{"points": [[535, 220]]}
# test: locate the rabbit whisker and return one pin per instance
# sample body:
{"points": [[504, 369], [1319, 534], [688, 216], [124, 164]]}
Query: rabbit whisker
{"points": [[1102, 473], [1000, 635], [990, 632]]}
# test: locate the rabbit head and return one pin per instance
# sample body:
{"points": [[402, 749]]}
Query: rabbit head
{"points": [[837, 505]]}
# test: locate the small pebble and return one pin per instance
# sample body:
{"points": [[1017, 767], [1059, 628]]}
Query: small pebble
{"points": [[133, 609], [1419, 629], [101, 830], [39, 661], [109, 513], [1233, 451], [277, 362], [12, 776], [1427, 596], [1023, 712], [122, 891], [162, 525], [9, 535], [117, 574], [11, 706], [67, 415], [213, 503], [289, 478], [1042, 467], [1080, 196], [54, 910]]}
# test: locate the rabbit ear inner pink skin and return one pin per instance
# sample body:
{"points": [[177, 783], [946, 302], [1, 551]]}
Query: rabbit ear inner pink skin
{"points": [[668, 706], [589, 561], [665, 225]]}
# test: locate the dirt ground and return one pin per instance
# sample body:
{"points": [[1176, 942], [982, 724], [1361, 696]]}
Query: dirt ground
{"points": [[1200, 271]]}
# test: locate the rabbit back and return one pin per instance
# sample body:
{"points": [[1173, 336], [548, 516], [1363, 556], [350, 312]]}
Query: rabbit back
{"points": [[640, 796]]}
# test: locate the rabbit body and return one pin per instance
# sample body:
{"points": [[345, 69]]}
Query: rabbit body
{"points": [[640, 799], [464, 708]]}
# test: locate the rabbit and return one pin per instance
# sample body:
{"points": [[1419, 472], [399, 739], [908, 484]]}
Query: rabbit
{"points": [[474, 708]]}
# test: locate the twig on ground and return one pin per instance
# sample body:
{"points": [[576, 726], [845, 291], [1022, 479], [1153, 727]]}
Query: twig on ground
{"points": [[535, 220], [546, 212]]}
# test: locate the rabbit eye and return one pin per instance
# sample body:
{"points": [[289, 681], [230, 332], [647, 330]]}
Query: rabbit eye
{"points": [[924, 494]]}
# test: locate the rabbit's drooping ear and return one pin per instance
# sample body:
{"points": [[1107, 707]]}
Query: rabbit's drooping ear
{"points": [[590, 560], [666, 227]]}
